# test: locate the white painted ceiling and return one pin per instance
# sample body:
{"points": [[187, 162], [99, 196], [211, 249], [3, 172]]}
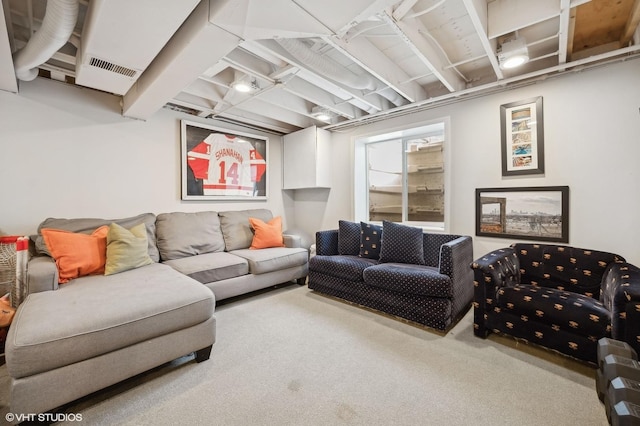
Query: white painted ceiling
{"points": [[361, 60]]}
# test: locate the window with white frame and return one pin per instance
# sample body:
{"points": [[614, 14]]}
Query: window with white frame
{"points": [[402, 176]]}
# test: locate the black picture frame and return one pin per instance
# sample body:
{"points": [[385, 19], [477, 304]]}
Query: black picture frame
{"points": [[522, 136], [526, 213], [241, 169]]}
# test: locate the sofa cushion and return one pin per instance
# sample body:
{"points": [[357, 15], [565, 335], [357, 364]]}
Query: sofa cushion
{"points": [[267, 234], [77, 254], [236, 229], [188, 234], [126, 248], [409, 279], [99, 314], [273, 259], [563, 310], [348, 238], [370, 238], [401, 244], [345, 267], [210, 267], [88, 225]]}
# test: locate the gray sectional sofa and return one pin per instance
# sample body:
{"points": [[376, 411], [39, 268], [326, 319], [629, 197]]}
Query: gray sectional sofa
{"points": [[68, 340]]}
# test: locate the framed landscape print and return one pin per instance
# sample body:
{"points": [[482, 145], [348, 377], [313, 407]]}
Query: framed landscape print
{"points": [[522, 135], [219, 164], [534, 213]]}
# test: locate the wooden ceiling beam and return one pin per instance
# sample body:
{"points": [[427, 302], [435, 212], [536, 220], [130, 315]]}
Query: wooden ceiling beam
{"points": [[632, 24]]}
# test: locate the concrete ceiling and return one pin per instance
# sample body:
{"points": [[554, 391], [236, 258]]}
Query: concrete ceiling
{"points": [[360, 60]]}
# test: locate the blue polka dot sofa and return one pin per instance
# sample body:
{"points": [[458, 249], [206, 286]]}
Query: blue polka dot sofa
{"points": [[559, 297], [400, 270]]}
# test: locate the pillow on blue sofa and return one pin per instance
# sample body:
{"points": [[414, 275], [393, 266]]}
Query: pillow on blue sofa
{"points": [[401, 244], [348, 238], [370, 236]]}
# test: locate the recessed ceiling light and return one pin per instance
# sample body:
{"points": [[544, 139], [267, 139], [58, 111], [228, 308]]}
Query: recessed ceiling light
{"points": [[321, 113], [244, 85], [513, 53]]}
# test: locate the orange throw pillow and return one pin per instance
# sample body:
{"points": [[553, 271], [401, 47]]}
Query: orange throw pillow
{"points": [[76, 254], [267, 234]]}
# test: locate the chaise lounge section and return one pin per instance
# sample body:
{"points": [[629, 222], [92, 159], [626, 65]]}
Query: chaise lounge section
{"points": [[79, 329], [396, 269]]}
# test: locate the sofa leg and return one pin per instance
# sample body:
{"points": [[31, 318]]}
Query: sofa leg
{"points": [[301, 281], [480, 331], [203, 354]]}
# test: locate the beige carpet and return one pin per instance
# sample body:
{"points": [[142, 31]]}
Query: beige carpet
{"points": [[293, 357]]}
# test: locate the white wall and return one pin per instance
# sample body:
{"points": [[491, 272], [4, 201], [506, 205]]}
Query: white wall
{"points": [[68, 152], [592, 144]]}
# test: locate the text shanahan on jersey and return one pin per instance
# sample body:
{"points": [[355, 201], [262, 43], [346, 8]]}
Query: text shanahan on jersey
{"points": [[226, 165]]}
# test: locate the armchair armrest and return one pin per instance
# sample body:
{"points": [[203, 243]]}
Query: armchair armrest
{"points": [[499, 268], [42, 275], [327, 243], [621, 296]]}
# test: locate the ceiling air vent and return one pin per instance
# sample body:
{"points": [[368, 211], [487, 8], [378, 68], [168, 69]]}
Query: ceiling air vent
{"points": [[106, 65], [180, 108]]}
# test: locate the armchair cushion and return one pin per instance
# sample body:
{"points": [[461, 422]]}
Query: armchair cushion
{"points": [[410, 279], [401, 244], [562, 310]]}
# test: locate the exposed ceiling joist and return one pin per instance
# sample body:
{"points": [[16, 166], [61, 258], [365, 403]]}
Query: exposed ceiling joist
{"points": [[365, 54], [632, 24], [187, 55], [563, 34], [478, 13], [373, 59], [411, 30], [507, 16]]}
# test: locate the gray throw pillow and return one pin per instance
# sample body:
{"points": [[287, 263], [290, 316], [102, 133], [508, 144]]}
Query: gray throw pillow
{"points": [[236, 229]]}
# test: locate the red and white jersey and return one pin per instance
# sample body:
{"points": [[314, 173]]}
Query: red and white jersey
{"points": [[226, 165]]}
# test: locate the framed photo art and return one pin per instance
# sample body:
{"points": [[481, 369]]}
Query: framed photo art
{"points": [[534, 213], [522, 135], [219, 164]]}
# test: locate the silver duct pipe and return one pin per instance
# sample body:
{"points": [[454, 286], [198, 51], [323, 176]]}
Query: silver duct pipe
{"points": [[335, 72], [57, 26], [325, 67]]}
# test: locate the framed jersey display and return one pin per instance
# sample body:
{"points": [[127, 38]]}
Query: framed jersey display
{"points": [[219, 164]]}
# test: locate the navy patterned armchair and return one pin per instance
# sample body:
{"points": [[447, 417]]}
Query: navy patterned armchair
{"points": [[396, 269], [560, 297]]}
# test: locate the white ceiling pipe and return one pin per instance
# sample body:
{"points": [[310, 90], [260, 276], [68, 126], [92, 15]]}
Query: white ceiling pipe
{"points": [[335, 72], [326, 67], [57, 26]]}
